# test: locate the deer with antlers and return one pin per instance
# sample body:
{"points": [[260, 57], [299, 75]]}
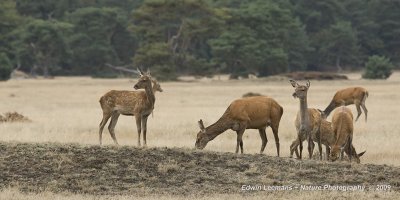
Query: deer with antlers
{"points": [[352, 95], [139, 104]]}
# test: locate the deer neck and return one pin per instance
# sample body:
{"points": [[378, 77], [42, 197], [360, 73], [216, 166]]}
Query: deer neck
{"points": [[304, 117], [329, 108], [150, 95], [218, 127]]}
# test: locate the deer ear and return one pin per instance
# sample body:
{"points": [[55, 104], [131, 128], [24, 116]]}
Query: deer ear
{"points": [[148, 71], [308, 83], [201, 125], [294, 83], [139, 71], [360, 154]]}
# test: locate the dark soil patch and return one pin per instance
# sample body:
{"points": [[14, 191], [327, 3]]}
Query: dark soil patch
{"points": [[142, 171], [13, 117]]}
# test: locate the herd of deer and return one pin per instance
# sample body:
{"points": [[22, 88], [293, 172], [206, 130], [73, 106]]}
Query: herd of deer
{"points": [[255, 112]]}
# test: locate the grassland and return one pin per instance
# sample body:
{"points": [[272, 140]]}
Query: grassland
{"points": [[66, 110]]}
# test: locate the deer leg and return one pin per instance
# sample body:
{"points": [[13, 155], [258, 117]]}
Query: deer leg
{"points": [[103, 122], [365, 110], [264, 139], [328, 151], [310, 146], [144, 127], [239, 141], [138, 126], [111, 126], [300, 146], [293, 148], [358, 109], [276, 137], [319, 144], [349, 144]]}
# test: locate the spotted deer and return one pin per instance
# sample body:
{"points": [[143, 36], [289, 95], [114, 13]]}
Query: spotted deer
{"points": [[256, 112], [352, 95], [307, 121], [139, 104]]}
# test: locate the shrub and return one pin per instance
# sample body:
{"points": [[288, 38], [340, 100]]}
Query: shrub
{"points": [[378, 67], [5, 67]]}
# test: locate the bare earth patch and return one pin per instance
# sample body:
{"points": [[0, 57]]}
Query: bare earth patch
{"points": [[111, 170]]}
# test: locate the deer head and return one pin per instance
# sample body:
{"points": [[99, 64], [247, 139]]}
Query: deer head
{"points": [[335, 153], [156, 86], [144, 80], [300, 90], [202, 137]]}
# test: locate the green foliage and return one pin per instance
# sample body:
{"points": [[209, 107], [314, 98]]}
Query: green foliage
{"points": [[378, 67], [338, 44], [100, 36], [177, 38], [174, 37], [5, 67], [43, 42], [263, 37], [158, 58]]}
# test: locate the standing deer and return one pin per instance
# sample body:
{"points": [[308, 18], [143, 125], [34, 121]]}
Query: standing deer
{"points": [[308, 120], [131, 103], [352, 95], [328, 139], [342, 122], [257, 112]]}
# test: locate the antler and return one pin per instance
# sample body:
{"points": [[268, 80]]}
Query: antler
{"points": [[140, 72]]}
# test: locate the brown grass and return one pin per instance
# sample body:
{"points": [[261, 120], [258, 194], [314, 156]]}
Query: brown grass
{"points": [[66, 110]]}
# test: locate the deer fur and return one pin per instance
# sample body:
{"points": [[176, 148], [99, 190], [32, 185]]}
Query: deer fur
{"points": [[342, 124], [139, 104], [352, 95], [257, 112], [328, 139], [307, 120]]}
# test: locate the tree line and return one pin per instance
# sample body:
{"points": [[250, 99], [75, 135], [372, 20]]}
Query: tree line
{"points": [[196, 37]]}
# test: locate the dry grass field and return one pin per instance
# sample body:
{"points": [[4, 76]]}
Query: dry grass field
{"points": [[66, 110]]}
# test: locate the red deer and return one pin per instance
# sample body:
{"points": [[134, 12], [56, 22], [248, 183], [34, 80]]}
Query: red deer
{"points": [[328, 139], [342, 124], [139, 104], [257, 112], [307, 121], [352, 95]]}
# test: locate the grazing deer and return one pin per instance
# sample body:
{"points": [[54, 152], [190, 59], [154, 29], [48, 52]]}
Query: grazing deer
{"points": [[342, 124], [308, 120], [131, 103], [257, 112], [352, 95], [328, 139]]}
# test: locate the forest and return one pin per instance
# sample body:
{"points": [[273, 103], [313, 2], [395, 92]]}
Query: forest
{"points": [[195, 37]]}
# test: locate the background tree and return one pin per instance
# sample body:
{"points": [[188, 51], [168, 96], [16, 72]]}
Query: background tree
{"points": [[41, 45], [180, 27], [190, 37], [9, 21], [338, 45], [259, 35], [378, 67], [99, 36]]}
